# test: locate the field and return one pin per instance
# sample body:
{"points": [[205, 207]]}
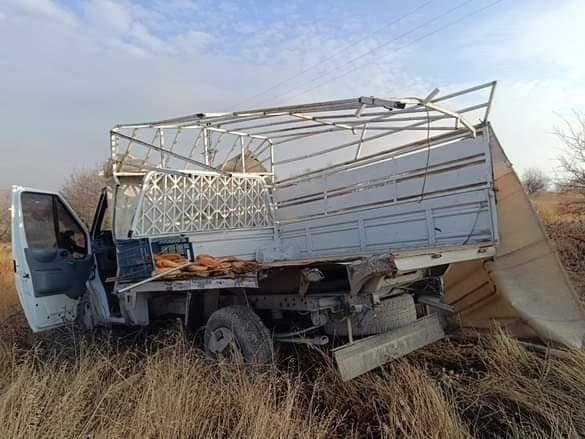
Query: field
{"points": [[138, 384], [563, 216]]}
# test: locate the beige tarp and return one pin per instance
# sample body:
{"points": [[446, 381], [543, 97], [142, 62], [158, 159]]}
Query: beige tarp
{"points": [[525, 287]]}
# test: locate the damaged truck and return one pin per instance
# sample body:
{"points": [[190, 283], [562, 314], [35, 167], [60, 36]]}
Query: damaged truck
{"points": [[360, 225]]}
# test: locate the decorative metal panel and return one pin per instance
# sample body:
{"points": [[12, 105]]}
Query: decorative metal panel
{"points": [[176, 203]]}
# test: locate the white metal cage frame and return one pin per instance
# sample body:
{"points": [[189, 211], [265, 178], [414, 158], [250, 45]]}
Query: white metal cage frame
{"points": [[273, 141], [211, 173]]}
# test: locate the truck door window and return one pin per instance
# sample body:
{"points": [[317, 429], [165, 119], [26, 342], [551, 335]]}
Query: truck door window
{"points": [[39, 224], [71, 235], [48, 224]]}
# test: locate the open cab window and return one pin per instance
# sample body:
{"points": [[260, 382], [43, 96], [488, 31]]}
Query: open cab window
{"points": [[52, 256]]}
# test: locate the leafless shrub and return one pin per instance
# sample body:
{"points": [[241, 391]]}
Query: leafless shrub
{"points": [[4, 216], [82, 190], [535, 180], [8, 300], [572, 135], [563, 217]]}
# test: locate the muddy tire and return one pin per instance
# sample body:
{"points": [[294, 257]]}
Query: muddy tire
{"points": [[236, 333], [392, 313]]}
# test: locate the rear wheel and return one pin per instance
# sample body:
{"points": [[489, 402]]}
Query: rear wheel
{"points": [[236, 333], [392, 313]]}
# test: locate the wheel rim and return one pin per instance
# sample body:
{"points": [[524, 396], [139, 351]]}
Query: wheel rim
{"points": [[224, 345]]}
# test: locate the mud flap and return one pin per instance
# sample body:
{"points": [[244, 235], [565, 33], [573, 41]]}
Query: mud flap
{"points": [[371, 352]]}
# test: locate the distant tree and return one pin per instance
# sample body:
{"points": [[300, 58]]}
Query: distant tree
{"points": [[534, 180], [82, 190], [572, 135], [4, 216]]}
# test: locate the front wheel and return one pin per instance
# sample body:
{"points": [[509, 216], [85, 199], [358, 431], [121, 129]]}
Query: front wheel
{"points": [[236, 333]]}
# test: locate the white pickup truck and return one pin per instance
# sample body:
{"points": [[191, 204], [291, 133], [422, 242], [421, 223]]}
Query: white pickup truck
{"points": [[355, 213]]}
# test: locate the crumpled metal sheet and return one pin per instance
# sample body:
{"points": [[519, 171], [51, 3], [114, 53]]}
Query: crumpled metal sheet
{"points": [[524, 288], [362, 271]]}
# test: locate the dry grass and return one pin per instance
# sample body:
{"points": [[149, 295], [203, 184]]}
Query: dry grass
{"points": [[170, 393], [135, 384], [8, 299], [101, 386], [563, 215]]}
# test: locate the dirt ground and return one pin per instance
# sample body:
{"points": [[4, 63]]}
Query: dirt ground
{"points": [[157, 384]]}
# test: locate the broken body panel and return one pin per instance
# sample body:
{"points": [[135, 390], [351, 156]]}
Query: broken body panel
{"points": [[524, 287]]}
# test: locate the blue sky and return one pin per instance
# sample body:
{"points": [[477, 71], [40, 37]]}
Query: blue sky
{"points": [[69, 70]]}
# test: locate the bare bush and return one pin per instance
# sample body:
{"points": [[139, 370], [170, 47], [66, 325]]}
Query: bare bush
{"points": [[8, 298], [4, 216], [563, 217], [82, 190], [572, 135], [535, 180]]}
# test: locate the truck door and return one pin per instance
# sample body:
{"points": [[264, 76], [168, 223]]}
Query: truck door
{"points": [[52, 257]]}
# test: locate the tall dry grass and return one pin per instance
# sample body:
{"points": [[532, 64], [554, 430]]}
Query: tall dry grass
{"points": [[110, 384], [163, 387], [8, 299], [563, 215], [172, 392]]}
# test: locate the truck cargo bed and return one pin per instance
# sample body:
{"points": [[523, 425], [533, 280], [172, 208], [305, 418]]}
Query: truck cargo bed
{"points": [[404, 261]]}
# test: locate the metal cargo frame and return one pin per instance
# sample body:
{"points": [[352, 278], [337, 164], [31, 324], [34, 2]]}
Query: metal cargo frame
{"points": [[394, 174], [197, 141]]}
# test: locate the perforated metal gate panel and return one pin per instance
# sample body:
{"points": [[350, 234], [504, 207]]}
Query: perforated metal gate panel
{"points": [[185, 203]]}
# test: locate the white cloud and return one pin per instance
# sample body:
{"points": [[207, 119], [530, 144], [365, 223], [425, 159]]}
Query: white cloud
{"points": [[109, 16], [526, 112], [123, 25], [535, 52], [69, 74], [46, 9], [548, 34], [191, 42]]}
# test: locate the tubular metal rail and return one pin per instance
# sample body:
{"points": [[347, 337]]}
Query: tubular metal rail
{"points": [[262, 141]]}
